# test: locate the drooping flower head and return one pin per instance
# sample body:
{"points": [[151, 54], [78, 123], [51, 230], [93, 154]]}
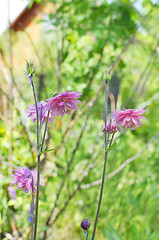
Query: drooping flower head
{"points": [[63, 103], [129, 118], [23, 179], [42, 112], [110, 127], [85, 224]]}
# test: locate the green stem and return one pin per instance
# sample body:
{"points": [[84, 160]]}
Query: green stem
{"points": [[110, 122], [43, 139], [105, 161], [37, 113], [38, 158], [112, 138]]}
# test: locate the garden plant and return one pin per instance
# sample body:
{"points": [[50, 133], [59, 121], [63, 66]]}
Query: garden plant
{"points": [[79, 122]]}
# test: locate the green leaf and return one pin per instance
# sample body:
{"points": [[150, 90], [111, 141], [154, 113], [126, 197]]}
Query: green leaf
{"points": [[109, 235], [111, 147], [44, 147], [47, 151], [134, 232], [113, 234]]}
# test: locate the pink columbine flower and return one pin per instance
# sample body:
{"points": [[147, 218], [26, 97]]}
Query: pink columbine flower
{"points": [[23, 179], [63, 103], [42, 113], [110, 128], [128, 118]]}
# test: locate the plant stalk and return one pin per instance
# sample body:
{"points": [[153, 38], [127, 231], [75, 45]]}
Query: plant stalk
{"points": [[105, 161], [112, 138], [33, 217], [38, 158], [43, 139], [32, 225], [87, 235]]}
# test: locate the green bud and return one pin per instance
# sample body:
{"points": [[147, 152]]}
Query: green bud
{"points": [[30, 68], [107, 75]]}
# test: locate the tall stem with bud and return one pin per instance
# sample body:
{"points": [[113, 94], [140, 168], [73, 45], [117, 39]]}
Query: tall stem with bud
{"points": [[30, 70], [107, 78]]}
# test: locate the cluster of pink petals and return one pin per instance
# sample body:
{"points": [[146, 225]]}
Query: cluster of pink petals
{"points": [[110, 128], [23, 179], [129, 118], [42, 112], [63, 103]]}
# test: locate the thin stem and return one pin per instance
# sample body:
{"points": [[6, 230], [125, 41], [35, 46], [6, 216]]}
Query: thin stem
{"points": [[87, 235], [33, 216], [111, 140], [110, 122], [32, 225], [105, 161], [38, 159], [43, 139], [37, 197], [40, 120], [37, 113]]}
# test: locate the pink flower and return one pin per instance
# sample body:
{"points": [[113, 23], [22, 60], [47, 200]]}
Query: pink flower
{"points": [[32, 112], [23, 179], [63, 103], [128, 118], [110, 127]]}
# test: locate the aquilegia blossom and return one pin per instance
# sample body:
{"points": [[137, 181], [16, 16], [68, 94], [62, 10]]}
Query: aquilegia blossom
{"points": [[42, 112], [128, 118], [63, 103], [23, 179], [110, 127]]}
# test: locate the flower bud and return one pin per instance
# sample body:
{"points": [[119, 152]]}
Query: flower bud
{"points": [[107, 75], [30, 68], [85, 224]]}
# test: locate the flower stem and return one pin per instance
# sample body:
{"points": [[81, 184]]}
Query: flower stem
{"points": [[105, 161], [112, 138], [33, 216], [40, 121], [37, 113], [38, 158], [87, 235], [43, 139], [32, 225], [37, 197]]}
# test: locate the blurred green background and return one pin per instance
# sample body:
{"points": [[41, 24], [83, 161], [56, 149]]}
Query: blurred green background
{"points": [[71, 42]]}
